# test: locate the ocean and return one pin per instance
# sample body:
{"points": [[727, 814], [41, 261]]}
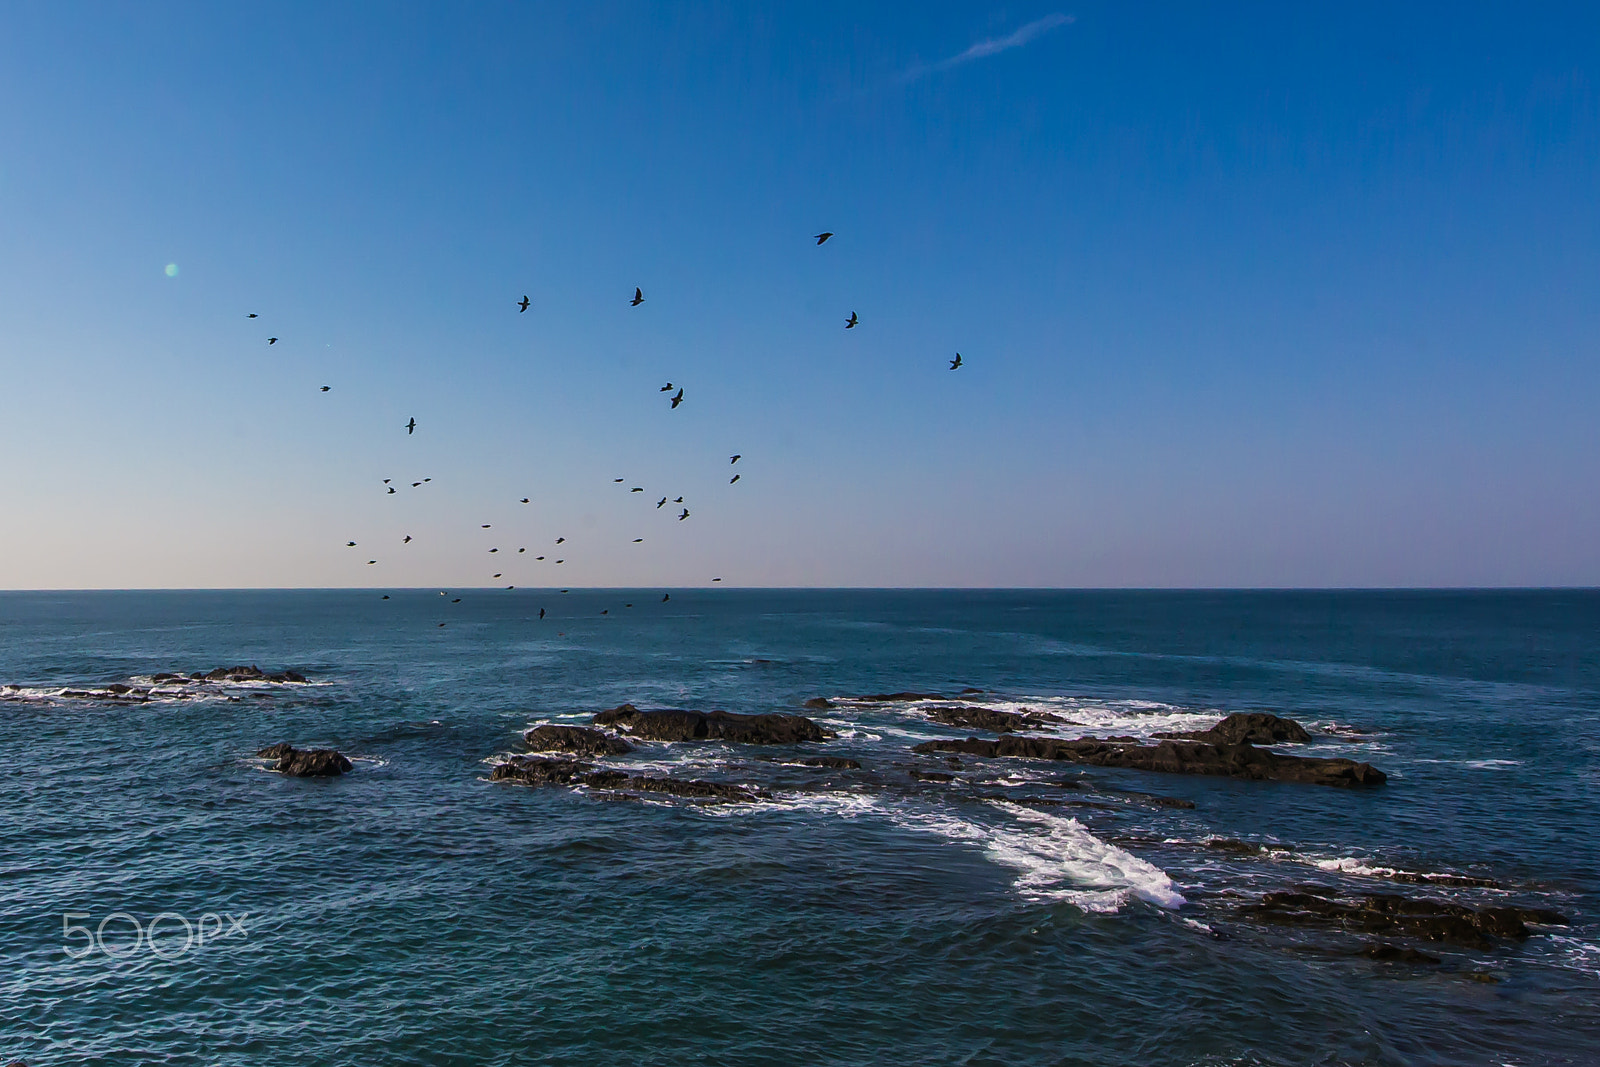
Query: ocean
{"points": [[166, 897]]}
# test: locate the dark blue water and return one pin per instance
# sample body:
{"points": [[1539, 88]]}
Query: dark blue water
{"points": [[412, 911]]}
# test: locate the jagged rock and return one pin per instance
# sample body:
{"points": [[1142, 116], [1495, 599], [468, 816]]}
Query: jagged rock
{"points": [[1396, 954], [1229, 844], [838, 763], [819, 704], [675, 787], [249, 674], [306, 763], [770, 729], [1001, 722], [1253, 727], [1431, 920], [578, 740], [539, 770], [1173, 757]]}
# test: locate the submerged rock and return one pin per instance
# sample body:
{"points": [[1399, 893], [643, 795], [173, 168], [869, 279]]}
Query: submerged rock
{"points": [[1001, 722], [1430, 920], [1395, 954], [306, 763], [884, 698], [544, 770], [770, 729], [1247, 727], [1173, 757], [249, 674], [579, 740]]}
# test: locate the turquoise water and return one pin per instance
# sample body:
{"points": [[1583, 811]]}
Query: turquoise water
{"points": [[415, 912]]}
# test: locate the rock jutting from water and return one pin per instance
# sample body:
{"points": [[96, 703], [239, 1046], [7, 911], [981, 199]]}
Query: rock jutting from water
{"points": [[1253, 727], [769, 729], [543, 770], [578, 740], [1173, 757], [1388, 913], [1001, 722], [305, 763]]}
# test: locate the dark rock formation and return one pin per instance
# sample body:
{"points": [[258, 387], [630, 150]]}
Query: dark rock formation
{"points": [[931, 776], [1395, 954], [578, 740], [1229, 844], [1173, 757], [1001, 722], [542, 770], [1387, 913], [306, 763], [1253, 727], [838, 763], [771, 729], [819, 704], [881, 698], [249, 674]]}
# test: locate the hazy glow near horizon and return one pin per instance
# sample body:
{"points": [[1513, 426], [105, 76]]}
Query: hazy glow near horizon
{"points": [[1244, 298]]}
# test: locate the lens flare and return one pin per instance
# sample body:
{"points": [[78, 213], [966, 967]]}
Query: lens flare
{"points": [[172, 270]]}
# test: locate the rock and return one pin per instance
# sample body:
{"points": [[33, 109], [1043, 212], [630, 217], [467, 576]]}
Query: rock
{"points": [[1254, 727], [1173, 757], [306, 763], [539, 770], [838, 763], [119, 688], [1430, 920], [770, 729], [674, 787], [1229, 844], [1396, 954], [1001, 722], [819, 704], [969, 690], [1463, 881], [248, 674], [931, 776], [579, 740], [881, 698]]}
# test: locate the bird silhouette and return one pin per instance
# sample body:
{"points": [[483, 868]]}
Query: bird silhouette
{"points": [[663, 500], [521, 550], [510, 587], [457, 600], [411, 427], [636, 489], [386, 481], [638, 540], [441, 625], [538, 557], [733, 479], [386, 596], [415, 484], [560, 539], [272, 340], [822, 238], [736, 457], [665, 597], [560, 561], [524, 500], [427, 479], [679, 500], [391, 489], [616, 479], [678, 398], [541, 613], [638, 297], [497, 576], [485, 526], [851, 322], [407, 541], [350, 544], [716, 579], [954, 363], [685, 515], [494, 550], [252, 315], [325, 388], [605, 611], [524, 305], [667, 388], [370, 562]]}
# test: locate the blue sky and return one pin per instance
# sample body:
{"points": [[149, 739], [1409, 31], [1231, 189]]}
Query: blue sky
{"points": [[1271, 295]]}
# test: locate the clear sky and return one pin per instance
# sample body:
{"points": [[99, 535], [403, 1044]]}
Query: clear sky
{"points": [[1246, 295]]}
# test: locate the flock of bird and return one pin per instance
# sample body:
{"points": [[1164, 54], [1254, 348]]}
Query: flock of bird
{"points": [[675, 400]]}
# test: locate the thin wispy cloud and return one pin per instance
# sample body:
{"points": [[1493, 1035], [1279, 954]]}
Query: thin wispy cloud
{"points": [[993, 45]]}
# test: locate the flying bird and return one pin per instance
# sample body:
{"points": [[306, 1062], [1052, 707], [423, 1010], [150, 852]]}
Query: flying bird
{"points": [[524, 500], [677, 398], [272, 340], [411, 427], [541, 613], [716, 579], [822, 238], [638, 540], [665, 597], [407, 541], [678, 501], [733, 479], [685, 515], [457, 600], [851, 322], [325, 388], [638, 297], [386, 596], [497, 576], [524, 305], [605, 611], [560, 539], [415, 484], [350, 544], [521, 550], [391, 489], [494, 550], [636, 489], [538, 557], [370, 562], [386, 481], [561, 561], [954, 363], [736, 457], [441, 625], [667, 388], [663, 500], [485, 526], [252, 315]]}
